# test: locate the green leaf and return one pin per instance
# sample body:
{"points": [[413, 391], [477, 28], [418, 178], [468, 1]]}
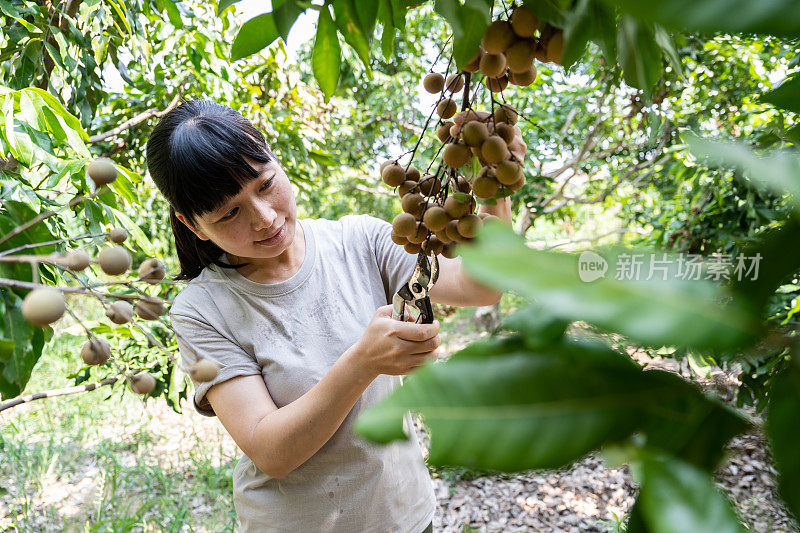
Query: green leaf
{"points": [[638, 54], [137, 234], [388, 31], [346, 17], [783, 412], [225, 4], [657, 312], [552, 11], [664, 40], [20, 348], [285, 13], [676, 497], [468, 23], [776, 17], [326, 56], [786, 96], [777, 171], [173, 14], [56, 107], [253, 36], [577, 33]]}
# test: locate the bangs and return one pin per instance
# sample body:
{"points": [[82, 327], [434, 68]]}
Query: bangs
{"points": [[209, 154]]}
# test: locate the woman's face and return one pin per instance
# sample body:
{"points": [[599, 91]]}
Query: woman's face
{"points": [[259, 222]]}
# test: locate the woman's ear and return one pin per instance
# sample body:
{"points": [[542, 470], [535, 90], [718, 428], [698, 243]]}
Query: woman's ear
{"points": [[186, 222]]}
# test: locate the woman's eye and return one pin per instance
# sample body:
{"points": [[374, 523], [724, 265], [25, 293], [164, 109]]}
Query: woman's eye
{"points": [[267, 184], [229, 215]]}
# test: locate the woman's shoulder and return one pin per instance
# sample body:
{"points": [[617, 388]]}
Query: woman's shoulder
{"points": [[198, 292]]}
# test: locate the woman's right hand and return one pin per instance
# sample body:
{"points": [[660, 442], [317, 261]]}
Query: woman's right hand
{"points": [[390, 346]]}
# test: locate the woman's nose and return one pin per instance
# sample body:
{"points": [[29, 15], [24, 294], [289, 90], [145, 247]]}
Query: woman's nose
{"points": [[263, 216]]}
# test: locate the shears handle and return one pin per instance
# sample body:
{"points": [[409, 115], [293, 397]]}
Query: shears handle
{"points": [[419, 309]]}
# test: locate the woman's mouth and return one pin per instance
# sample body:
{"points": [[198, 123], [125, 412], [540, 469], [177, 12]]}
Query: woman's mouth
{"points": [[276, 239]]}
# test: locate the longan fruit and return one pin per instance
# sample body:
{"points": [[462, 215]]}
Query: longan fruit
{"points": [[204, 370], [508, 172], [433, 82], [523, 22], [540, 52], [43, 306], [474, 133], [419, 234], [455, 207], [469, 225], [462, 184], [120, 312], [405, 187], [76, 260], [143, 383], [412, 173], [114, 260], [496, 85], [505, 132], [494, 149], [393, 175], [430, 185], [101, 171], [485, 186], [404, 224], [488, 217], [505, 114], [452, 231], [435, 218], [442, 235], [433, 244], [150, 308], [517, 185], [523, 79], [449, 250], [118, 235], [519, 56], [413, 203], [412, 248], [498, 37], [454, 82], [474, 63], [443, 131], [447, 108], [383, 165], [398, 239], [493, 65], [456, 155], [554, 47], [95, 352], [152, 271]]}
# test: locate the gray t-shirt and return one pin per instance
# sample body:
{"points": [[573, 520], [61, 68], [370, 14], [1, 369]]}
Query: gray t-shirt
{"points": [[291, 333]]}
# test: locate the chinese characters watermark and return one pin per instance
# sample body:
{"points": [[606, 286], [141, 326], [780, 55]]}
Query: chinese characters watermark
{"points": [[661, 266]]}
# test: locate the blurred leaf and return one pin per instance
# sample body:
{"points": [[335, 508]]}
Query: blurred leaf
{"points": [[786, 96], [638, 54], [345, 14], [655, 312], [776, 17], [326, 55], [285, 13], [253, 36], [665, 41], [225, 4], [783, 412], [468, 23]]}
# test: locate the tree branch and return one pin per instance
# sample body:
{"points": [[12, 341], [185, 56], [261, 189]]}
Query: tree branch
{"points": [[8, 404]]}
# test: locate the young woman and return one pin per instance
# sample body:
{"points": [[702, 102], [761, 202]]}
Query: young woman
{"points": [[296, 314]]}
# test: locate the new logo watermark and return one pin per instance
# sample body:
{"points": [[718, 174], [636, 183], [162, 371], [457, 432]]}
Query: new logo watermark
{"points": [[647, 266]]}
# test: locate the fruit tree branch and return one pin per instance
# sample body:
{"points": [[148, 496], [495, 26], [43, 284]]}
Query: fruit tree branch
{"points": [[8, 404]]}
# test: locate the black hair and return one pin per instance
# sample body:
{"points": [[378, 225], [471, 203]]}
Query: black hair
{"points": [[196, 156]]}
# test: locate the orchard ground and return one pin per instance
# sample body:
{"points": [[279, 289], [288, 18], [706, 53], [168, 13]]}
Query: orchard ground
{"points": [[79, 463]]}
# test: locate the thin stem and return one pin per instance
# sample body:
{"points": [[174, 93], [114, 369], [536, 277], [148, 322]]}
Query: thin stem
{"points": [[48, 243]]}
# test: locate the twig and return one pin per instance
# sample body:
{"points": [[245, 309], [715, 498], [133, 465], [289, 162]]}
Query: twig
{"points": [[48, 243], [8, 404], [598, 237]]}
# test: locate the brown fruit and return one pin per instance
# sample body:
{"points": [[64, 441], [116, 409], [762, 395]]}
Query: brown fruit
{"points": [[523, 79], [443, 131], [474, 63], [520, 55], [485, 186], [204, 370], [494, 150], [404, 224], [474, 133], [505, 113], [496, 85], [432, 244], [517, 185], [114, 260], [43, 306], [95, 352], [150, 308], [456, 155], [430, 185], [393, 175], [419, 234], [383, 165], [447, 108], [118, 235], [454, 82], [120, 312], [450, 251], [452, 231], [143, 383], [436, 218], [505, 132], [152, 271], [498, 36], [456, 207], [412, 248], [398, 239], [76, 260], [493, 65], [405, 187], [554, 48], [523, 22], [102, 171], [412, 173], [413, 203], [433, 82], [462, 184], [508, 172], [442, 235], [469, 225]]}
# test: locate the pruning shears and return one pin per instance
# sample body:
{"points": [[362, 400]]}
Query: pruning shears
{"points": [[414, 293]]}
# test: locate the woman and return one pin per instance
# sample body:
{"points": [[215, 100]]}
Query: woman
{"points": [[296, 314]]}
